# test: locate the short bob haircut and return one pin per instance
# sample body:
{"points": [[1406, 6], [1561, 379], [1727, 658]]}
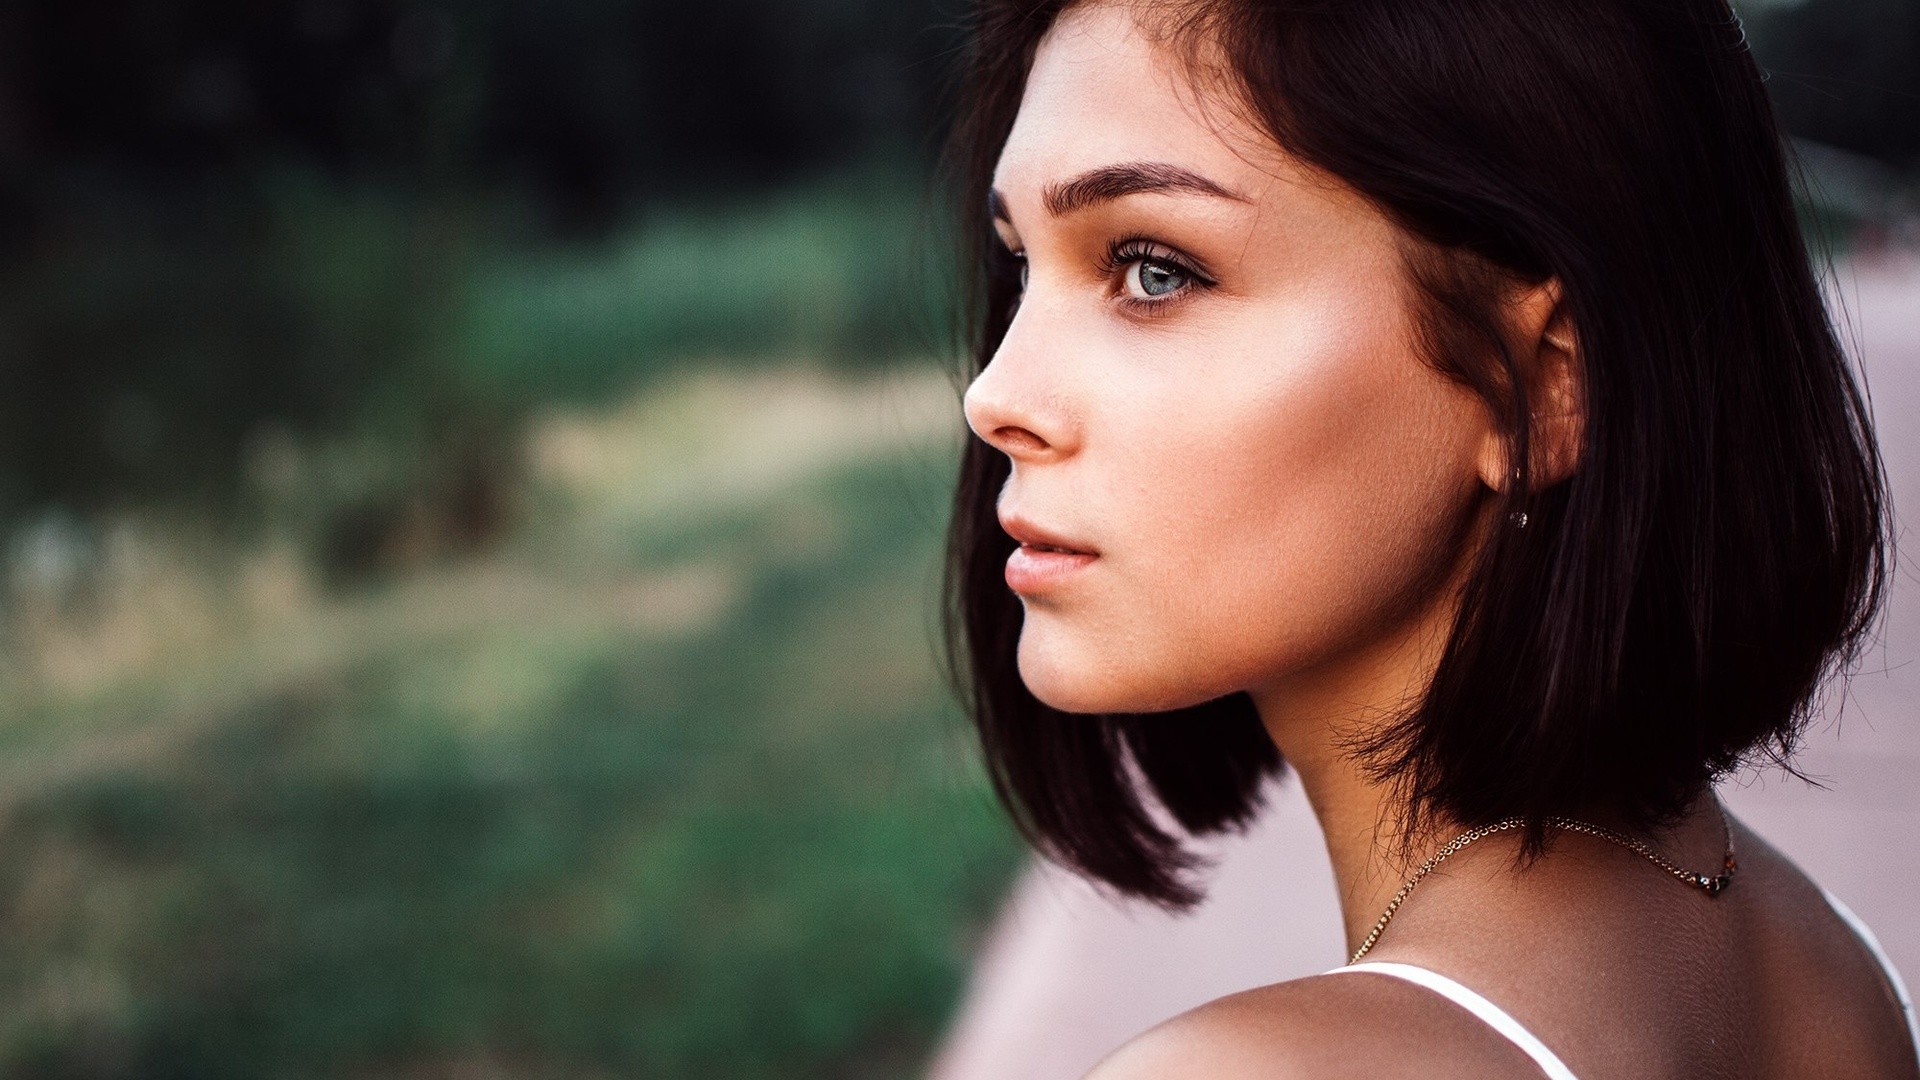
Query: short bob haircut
{"points": [[1672, 609]]}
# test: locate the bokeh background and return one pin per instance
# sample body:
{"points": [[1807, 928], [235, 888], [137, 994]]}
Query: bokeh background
{"points": [[471, 483]]}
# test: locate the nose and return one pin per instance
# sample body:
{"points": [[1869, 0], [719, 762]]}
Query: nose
{"points": [[1015, 406]]}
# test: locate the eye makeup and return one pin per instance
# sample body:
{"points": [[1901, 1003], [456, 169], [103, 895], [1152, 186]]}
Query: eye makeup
{"points": [[1149, 276]]}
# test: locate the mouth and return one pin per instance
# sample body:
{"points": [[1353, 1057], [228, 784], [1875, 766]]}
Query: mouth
{"points": [[1050, 549], [1044, 562], [1042, 540]]}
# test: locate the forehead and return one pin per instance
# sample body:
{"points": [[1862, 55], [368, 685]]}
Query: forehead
{"points": [[1101, 91]]}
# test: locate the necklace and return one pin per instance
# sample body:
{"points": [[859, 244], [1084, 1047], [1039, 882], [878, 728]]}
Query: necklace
{"points": [[1709, 884]]}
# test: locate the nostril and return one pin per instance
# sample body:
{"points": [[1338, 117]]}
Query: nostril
{"points": [[1017, 440]]}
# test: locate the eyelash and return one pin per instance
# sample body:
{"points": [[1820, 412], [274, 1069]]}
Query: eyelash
{"points": [[1126, 252]]}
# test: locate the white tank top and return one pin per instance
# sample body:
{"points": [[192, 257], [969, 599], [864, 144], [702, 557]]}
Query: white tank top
{"points": [[1550, 1064]]}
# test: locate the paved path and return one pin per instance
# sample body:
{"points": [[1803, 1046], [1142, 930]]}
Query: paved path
{"points": [[1066, 975]]}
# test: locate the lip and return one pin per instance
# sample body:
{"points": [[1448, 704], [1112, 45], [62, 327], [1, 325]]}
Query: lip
{"points": [[1045, 560]]}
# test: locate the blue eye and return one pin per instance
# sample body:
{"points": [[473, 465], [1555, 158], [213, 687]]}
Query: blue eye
{"points": [[1156, 278], [1151, 273]]}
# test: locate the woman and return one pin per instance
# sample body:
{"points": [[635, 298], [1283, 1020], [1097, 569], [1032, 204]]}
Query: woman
{"points": [[1434, 398]]}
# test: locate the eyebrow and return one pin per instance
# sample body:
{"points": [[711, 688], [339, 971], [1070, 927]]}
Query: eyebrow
{"points": [[1110, 182]]}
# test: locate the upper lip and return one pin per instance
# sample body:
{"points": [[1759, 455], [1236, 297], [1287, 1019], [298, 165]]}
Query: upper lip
{"points": [[1031, 535]]}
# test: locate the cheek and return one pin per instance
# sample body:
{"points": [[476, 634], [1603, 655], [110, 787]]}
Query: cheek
{"points": [[1262, 516]]}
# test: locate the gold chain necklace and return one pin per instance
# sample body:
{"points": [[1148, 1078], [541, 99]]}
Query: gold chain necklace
{"points": [[1710, 884]]}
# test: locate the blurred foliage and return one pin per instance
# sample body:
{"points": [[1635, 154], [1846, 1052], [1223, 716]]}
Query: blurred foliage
{"points": [[586, 105], [225, 221], [839, 271], [657, 778], [158, 366], [664, 786]]}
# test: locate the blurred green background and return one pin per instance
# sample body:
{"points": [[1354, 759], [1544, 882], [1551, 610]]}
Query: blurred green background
{"points": [[471, 482]]}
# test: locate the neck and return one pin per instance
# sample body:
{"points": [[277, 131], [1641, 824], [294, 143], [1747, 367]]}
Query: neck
{"points": [[1314, 720], [1315, 724], [1360, 819]]}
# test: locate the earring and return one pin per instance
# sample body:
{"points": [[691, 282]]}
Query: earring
{"points": [[1518, 519]]}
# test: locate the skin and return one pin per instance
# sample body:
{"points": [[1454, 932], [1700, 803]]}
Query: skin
{"points": [[1233, 470]]}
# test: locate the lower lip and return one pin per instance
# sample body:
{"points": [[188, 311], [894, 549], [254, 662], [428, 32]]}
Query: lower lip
{"points": [[1031, 570]]}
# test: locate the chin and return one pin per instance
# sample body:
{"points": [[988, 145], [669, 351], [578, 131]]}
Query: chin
{"points": [[1081, 677], [1070, 695]]}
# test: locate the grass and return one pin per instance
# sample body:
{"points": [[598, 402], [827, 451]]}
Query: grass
{"points": [[665, 786]]}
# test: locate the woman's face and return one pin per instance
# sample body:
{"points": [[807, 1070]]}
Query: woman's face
{"points": [[1232, 469]]}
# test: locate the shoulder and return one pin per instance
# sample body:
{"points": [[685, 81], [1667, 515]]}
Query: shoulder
{"points": [[1324, 1027]]}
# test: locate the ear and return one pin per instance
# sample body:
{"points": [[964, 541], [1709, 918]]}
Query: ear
{"points": [[1547, 350]]}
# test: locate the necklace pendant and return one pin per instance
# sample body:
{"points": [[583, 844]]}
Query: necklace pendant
{"points": [[1712, 885]]}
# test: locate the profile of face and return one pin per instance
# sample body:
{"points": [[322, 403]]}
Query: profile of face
{"points": [[1232, 468]]}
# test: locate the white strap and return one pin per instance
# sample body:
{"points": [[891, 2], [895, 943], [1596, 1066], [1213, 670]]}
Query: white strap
{"points": [[1886, 963], [1492, 1015]]}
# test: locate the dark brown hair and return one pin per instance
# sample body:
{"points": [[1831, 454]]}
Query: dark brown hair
{"points": [[1672, 609]]}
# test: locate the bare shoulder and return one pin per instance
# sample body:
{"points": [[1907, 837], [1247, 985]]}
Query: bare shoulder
{"points": [[1324, 1027], [1802, 951]]}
